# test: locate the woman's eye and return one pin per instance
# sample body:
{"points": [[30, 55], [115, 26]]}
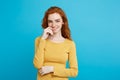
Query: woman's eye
{"points": [[57, 21], [49, 21]]}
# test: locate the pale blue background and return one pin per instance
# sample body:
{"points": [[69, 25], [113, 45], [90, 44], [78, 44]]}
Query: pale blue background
{"points": [[95, 27]]}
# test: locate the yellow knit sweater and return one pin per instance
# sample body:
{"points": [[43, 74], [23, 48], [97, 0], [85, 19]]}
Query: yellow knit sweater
{"points": [[48, 53]]}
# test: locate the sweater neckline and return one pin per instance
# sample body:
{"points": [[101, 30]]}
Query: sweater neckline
{"points": [[57, 42]]}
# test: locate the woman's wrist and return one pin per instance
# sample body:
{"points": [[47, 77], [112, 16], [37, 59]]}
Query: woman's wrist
{"points": [[44, 36]]}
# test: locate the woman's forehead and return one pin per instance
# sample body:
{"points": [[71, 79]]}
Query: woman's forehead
{"points": [[54, 16]]}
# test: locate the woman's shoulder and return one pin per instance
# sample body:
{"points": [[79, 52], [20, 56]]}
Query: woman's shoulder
{"points": [[71, 42], [37, 39]]}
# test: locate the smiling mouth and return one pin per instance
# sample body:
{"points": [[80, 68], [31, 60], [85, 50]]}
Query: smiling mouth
{"points": [[54, 28]]}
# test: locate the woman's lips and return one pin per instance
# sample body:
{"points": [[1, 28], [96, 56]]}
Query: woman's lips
{"points": [[54, 28]]}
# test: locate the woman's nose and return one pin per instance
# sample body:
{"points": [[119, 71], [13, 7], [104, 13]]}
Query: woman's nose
{"points": [[53, 25]]}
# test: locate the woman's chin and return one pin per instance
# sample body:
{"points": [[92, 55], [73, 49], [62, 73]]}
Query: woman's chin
{"points": [[55, 31]]}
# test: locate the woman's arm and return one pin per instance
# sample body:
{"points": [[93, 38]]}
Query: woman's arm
{"points": [[39, 52], [73, 70]]}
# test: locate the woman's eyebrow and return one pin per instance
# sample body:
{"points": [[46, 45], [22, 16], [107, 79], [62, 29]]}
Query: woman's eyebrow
{"points": [[49, 20]]}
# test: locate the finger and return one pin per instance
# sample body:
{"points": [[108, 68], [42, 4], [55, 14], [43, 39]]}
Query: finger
{"points": [[48, 28], [51, 32], [41, 72]]}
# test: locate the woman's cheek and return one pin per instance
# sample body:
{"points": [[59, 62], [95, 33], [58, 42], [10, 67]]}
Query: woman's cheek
{"points": [[49, 24]]}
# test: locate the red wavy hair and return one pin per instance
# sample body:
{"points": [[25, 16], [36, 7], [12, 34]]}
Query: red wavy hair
{"points": [[65, 27]]}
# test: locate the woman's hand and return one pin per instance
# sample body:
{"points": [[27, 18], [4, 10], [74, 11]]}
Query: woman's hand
{"points": [[47, 31], [46, 70]]}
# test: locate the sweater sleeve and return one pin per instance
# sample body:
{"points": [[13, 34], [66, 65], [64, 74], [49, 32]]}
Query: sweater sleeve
{"points": [[39, 52], [73, 70]]}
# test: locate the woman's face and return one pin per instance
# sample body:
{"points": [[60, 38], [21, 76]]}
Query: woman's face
{"points": [[55, 22]]}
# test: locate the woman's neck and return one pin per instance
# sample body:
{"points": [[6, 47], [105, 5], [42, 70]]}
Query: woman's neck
{"points": [[56, 37]]}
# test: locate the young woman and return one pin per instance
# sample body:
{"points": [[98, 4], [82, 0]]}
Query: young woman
{"points": [[55, 47]]}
